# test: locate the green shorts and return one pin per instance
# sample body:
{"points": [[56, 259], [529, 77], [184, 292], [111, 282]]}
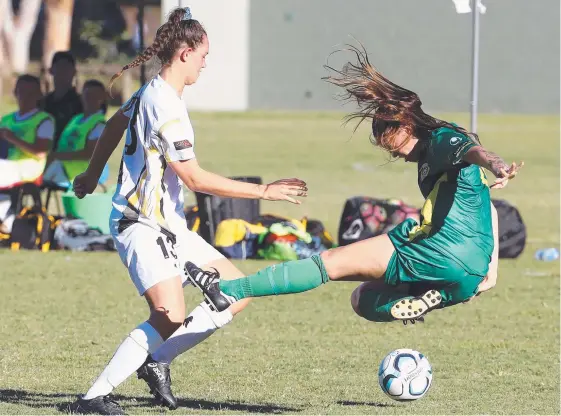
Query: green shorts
{"points": [[423, 268]]}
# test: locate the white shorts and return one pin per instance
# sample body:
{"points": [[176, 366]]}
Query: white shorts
{"points": [[151, 257], [16, 171], [56, 174]]}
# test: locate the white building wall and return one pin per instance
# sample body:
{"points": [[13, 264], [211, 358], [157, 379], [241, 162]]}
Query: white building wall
{"points": [[224, 83]]}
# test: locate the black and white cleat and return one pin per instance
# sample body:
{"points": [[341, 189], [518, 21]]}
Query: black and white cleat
{"points": [[414, 309], [209, 284]]}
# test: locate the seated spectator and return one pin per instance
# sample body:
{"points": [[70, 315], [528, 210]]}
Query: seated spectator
{"points": [[64, 102], [29, 133], [78, 139]]}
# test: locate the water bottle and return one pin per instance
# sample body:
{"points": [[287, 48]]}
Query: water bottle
{"points": [[547, 254]]}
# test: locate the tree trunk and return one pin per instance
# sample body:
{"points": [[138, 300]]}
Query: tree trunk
{"points": [[17, 32], [57, 28], [5, 8], [151, 22]]}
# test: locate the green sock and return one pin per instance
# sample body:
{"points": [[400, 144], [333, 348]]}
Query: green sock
{"points": [[280, 279], [376, 306]]}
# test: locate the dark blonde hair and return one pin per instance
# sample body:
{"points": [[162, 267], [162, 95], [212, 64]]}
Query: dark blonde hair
{"points": [[176, 32], [388, 106]]}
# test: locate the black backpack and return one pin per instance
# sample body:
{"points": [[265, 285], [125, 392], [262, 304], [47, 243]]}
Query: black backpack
{"points": [[33, 228], [365, 217], [512, 231], [213, 209]]}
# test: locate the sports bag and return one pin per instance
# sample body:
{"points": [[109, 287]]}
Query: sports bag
{"points": [[238, 239], [212, 210], [290, 239], [512, 230], [365, 217], [33, 227], [77, 235]]}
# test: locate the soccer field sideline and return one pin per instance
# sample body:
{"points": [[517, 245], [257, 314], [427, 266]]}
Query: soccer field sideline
{"points": [[64, 313]]}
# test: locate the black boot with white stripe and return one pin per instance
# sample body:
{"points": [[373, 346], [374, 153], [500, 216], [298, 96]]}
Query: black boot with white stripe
{"points": [[209, 284]]}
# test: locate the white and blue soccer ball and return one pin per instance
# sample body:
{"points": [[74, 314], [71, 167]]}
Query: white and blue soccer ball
{"points": [[405, 375]]}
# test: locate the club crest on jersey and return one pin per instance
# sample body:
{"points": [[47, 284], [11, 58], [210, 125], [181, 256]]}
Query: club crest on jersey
{"points": [[182, 144], [424, 171], [455, 140], [458, 152]]}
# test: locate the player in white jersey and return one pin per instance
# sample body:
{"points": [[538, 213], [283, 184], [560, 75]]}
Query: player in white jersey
{"points": [[147, 221]]}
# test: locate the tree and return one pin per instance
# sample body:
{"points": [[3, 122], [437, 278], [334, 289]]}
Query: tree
{"points": [[15, 33], [58, 27]]}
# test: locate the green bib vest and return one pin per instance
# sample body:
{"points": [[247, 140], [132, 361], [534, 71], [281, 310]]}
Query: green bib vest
{"points": [[74, 138], [26, 130]]}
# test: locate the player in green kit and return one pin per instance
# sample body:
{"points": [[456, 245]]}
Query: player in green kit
{"points": [[448, 258]]}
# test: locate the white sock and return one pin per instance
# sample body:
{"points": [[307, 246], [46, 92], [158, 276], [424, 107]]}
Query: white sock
{"points": [[198, 326], [7, 216], [5, 205], [130, 355]]}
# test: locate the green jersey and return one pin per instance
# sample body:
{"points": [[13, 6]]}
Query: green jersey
{"points": [[456, 216]]}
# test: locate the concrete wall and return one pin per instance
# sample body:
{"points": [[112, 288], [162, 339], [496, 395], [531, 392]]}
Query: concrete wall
{"points": [[422, 44], [223, 84]]}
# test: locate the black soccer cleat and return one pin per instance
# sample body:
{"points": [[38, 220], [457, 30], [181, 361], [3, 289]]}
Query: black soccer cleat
{"points": [[158, 378], [414, 309], [209, 284], [102, 405]]}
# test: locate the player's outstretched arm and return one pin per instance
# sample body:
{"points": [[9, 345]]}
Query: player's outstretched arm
{"points": [[199, 180], [86, 182], [478, 155]]}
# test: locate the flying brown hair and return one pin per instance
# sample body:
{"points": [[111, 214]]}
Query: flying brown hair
{"points": [[389, 106]]}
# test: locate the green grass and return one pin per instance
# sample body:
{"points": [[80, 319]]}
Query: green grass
{"points": [[62, 314]]}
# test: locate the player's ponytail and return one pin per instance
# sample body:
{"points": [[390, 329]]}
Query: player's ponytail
{"points": [[389, 106], [180, 29]]}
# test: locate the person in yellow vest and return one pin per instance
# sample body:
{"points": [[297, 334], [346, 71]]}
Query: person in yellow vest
{"points": [[29, 133], [79, 137]]}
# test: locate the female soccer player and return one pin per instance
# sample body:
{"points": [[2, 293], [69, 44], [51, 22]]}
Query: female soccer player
{"points": [[448, 258], [147, 221]]}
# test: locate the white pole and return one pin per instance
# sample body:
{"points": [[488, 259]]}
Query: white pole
{"points": [[475, 66]]}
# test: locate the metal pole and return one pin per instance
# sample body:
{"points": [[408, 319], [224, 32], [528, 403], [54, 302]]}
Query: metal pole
{"points": [[475, 66], [140, 22]]}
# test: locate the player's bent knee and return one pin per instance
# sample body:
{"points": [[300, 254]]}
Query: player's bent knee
{"points": [[373, 305], [336, 265], [166, 321], [355, 299]]}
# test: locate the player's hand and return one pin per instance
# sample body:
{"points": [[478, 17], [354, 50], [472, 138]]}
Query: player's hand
{"points": [[505, 174], [85, 184], [285, 190]]}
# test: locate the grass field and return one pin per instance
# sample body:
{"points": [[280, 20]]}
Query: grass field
{"points": [[63, 314]]}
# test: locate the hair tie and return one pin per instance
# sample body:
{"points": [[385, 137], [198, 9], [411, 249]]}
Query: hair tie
{"points": [[187, 15]]}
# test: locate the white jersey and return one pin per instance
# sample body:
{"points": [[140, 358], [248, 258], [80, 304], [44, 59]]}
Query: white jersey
{"points": [[148, 191]]}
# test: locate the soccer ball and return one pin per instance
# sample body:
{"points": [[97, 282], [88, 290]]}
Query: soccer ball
{"points": [[405, 375]]}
